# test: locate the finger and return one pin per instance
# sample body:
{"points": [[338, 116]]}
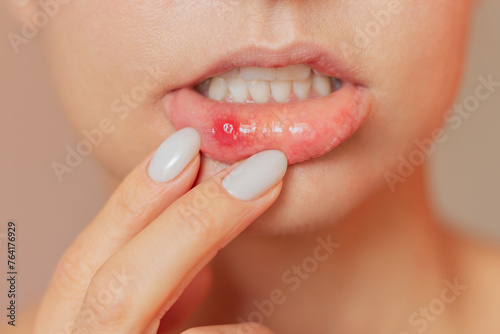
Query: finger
{"points": [[163, 258], [188, 302], [243, 328], [138, 200]]}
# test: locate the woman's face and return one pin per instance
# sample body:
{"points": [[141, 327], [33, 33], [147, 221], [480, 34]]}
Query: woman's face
{"points": [[132, 66]]}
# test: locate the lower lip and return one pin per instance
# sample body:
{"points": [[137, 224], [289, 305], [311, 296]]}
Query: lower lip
{"points": [[302, 130]]}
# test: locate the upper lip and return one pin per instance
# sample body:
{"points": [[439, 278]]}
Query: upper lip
{"points": [[328, 61]]}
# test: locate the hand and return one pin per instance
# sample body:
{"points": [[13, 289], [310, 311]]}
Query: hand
{"points": [[152, 238]]}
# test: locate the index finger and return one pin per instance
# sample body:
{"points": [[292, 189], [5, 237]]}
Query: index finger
{"points": [[164, 257], [138, 201]]}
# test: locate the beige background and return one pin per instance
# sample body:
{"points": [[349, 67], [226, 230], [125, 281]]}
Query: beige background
{"points": [[465, 179]]}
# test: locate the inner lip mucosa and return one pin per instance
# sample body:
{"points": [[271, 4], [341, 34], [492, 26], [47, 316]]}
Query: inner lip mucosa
{"points": [[267, 85]]}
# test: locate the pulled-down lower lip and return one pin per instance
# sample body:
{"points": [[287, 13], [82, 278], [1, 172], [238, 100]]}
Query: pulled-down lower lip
{"points": [[302, 130]]}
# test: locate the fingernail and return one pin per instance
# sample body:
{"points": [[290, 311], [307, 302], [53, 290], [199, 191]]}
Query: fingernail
{"points": [[174, 154], [256, 175]]}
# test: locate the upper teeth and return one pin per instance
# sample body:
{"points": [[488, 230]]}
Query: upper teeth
{"points": [[259, 85]]}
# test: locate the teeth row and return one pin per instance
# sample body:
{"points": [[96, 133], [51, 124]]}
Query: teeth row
{"points": [[261, 84]]}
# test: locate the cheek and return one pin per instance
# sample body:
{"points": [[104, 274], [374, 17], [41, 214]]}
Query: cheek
{"points": [[100, 66], [419, 67]]}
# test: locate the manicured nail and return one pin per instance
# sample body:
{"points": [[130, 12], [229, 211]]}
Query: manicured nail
{"points": [[259, 173], [174, 154]]}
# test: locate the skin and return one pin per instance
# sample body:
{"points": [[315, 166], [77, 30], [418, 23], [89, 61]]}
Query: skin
{"points": [[393, 257], [87, 74]]}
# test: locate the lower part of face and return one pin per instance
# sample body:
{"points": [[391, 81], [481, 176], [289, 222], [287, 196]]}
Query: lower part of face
{"points": [[118, 60]]}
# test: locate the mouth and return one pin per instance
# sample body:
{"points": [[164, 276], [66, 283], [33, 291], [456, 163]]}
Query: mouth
{"points": [[301, 100]]}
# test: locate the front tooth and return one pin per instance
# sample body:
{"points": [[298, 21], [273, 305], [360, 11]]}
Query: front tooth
{"points": [[293, 72], [281, 90], [322, 85], [259, 90], [258, 73], [218, 89], [301, 88], [238, 88]]}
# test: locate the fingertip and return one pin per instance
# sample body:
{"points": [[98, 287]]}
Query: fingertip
{"points": [[256, 176], [174, 155]]}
